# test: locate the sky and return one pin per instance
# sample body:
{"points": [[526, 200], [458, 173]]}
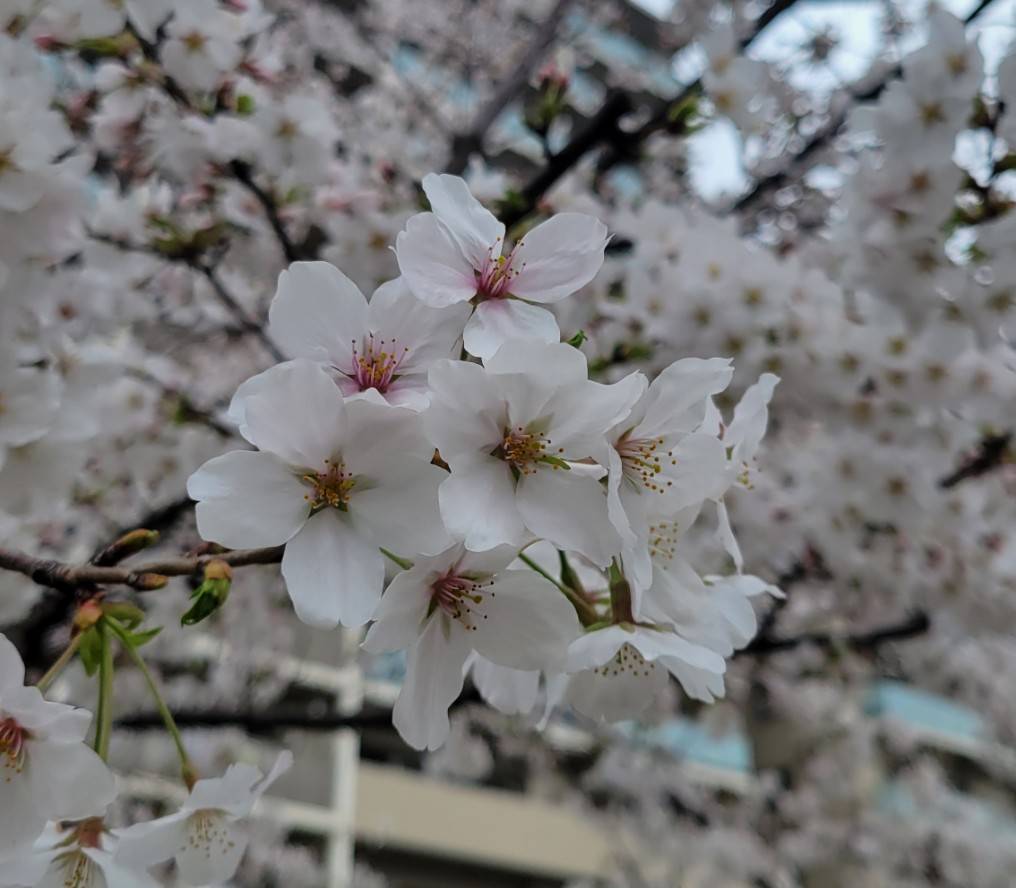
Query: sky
{"points": [[715, 152]]}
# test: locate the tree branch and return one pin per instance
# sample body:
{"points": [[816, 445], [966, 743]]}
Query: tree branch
{"points": [[143, 577], [992, 453], [465, 144], [604, 129], [243, 174], [916, 624], [800, 161]]}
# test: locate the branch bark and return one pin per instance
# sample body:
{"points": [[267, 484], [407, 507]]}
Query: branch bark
{"points": [[916, 624], [468, 143], [69, 578]]}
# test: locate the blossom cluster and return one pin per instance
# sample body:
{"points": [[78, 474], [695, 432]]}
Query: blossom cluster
{"points": [[520, 459], [378, 439]]}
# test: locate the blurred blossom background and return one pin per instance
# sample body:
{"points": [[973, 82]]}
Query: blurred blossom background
{"points": [[818, 190]]}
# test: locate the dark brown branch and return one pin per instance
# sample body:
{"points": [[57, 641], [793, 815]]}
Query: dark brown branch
{"points": [[992, 453], [243, 174], [916, 624], [143, 577], [471, 142], [237, 311], [258, 722], [604, 129]]}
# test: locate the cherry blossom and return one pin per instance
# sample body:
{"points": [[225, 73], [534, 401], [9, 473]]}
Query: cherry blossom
{"points": [[205, 837], [455, 254], [456, 602], [386, 345], [46, 770], [516, 433], [332, 480]]}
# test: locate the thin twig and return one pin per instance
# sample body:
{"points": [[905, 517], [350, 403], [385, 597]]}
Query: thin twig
{"points": [[243, 174], [470, 142], [917, 624], [143, 577]]}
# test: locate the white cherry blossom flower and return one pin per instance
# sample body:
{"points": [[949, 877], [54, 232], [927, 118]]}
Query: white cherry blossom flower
{"points": [[333, 481], [46, 770], [455, 254], [386, 345], [449, 605], [658, 461], [621, 668], [72, 855], [514, 433], [206, 836]]}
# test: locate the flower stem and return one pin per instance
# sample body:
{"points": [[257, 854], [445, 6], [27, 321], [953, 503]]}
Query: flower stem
{"points": [[59, 665], [586, 612], [104, 710], [404, 563], [187, 769]]}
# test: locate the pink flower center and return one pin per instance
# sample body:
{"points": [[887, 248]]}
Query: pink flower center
{"points": [[494, 279], [458, 596], [376, 363], [13, 739], [330, 488], [643, 460]]}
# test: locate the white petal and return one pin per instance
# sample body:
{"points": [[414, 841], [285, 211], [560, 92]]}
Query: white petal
{"points": [[584, 412], [12, 669], [211, 849], [478, 503], [402, 514], [558, 257], [332, 573], [248, 500], [676, 399], [511, 691], [750, 418], [466, 411], [570, 512], [429, 333], [475, 228], [556, 361], [596, 648], [699, 684], [433, 263], [399, 618], [146, 844], [297, 413], [69, 781], [433, 681], [621, 689], [317, 313], [725, 534], [384, 443], [21, 819], [496, 321], [116, 875], [524, 622]]}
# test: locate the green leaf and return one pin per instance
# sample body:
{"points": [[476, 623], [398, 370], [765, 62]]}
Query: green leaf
{"points": [[139, 639], [577, 340], [207, 599], [90, 650]]}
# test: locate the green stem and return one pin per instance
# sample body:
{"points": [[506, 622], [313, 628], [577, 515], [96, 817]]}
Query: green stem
{"points": [[61, 663], [167, 717], [586, 612], [620, 595], [104, 710], [404, 563]]}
